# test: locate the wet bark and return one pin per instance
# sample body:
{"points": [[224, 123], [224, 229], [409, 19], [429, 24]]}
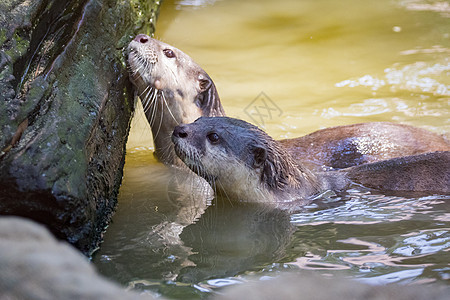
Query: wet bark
{"points": [[66, 104]]}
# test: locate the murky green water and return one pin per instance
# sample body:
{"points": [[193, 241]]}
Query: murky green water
{"points": [[291, 67]]}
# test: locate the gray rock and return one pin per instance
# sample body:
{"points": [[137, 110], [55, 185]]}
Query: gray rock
{"points": [[34, 265], [66, 105]]}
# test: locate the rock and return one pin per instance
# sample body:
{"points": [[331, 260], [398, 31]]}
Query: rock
{"points": [[66, 105], [36, 266]]}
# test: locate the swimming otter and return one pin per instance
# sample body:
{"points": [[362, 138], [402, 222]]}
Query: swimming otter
{"points": [[244, 163], [174, 90]]}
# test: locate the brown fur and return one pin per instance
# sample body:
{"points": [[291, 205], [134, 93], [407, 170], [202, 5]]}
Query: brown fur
{"points": [[427, 173], [173, 90], [351, 145]]}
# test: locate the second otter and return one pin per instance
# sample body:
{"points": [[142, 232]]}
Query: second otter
{"points": [[246, 164]]}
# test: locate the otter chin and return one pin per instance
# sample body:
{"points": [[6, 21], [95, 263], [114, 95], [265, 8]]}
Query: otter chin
{"points": [[243, 163], [173, 89]]}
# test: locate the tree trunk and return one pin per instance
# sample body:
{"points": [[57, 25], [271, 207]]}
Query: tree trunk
{"points": [[65, 110]]}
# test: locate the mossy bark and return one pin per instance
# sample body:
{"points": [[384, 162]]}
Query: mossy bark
{"points": [[66, 104]]}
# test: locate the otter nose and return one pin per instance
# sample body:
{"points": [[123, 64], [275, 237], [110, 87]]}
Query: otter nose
{"points": [[142, 38], [180, 131]]}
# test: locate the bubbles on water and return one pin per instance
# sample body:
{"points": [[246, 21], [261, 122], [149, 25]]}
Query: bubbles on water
{"points": [[368, 107], [439, 6], [433, 49], [419, 77], [366, 80]]}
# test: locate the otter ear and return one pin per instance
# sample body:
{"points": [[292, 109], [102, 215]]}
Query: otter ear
{"points": [[259, 156], [204, 83], [208, 98]]}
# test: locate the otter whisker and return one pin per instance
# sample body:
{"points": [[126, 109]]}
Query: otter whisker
{"points": [[224, 192], [167, 150], [145, 103], [150, 103], [147, 107], [168, 108], [141, 69], [160, 121], [151, 106], [146, 90], [145, 100], [154, 106]]}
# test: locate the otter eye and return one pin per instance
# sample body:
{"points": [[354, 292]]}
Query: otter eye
{"points": [[169, 53], [213, 137]]}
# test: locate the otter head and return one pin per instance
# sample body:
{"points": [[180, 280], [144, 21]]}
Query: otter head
{"points": [[172, 87], [241, 161]]}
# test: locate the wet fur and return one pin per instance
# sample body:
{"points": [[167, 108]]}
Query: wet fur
{"points": [[247, 164]]}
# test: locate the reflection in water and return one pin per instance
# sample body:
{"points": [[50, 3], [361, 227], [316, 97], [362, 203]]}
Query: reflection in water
{"points": [[324, 63], [157, 203], [233, 238]]}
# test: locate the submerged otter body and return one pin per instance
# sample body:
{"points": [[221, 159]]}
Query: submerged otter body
{"points": [[356, 144], [246, 164], [174, 90]]}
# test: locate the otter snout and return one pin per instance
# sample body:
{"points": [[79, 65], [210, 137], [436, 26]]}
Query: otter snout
{"points": [[142, 38], [180, 131]]}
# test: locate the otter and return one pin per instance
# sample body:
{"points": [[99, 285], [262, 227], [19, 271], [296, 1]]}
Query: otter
{"points": [[174, 90], [242, 162]]}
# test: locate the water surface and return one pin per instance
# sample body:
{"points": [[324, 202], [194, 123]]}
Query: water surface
{"points": [[291, 67]]}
